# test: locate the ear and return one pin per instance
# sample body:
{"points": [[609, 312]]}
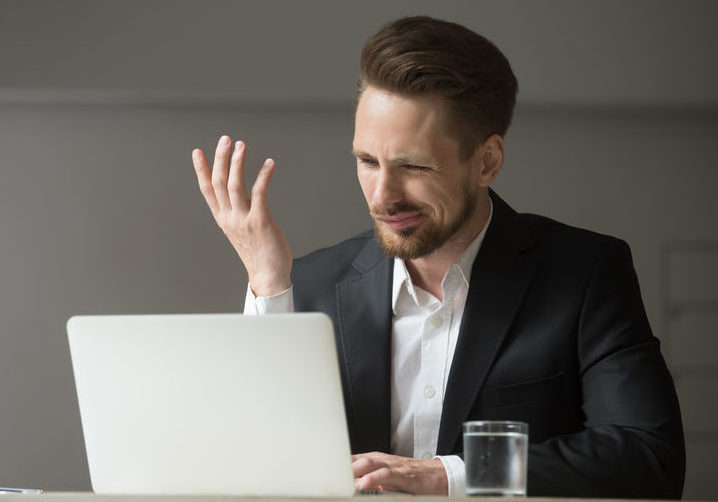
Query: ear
{"points": [[489, 159]]}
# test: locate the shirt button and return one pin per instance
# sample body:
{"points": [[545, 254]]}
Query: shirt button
{"points": [[429, 392], [435, 321]]}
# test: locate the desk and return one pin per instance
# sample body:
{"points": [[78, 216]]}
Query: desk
{"points": [[90, 497]]}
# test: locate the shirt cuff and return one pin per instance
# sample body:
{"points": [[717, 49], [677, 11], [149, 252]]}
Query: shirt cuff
{"points": [[281, 303], [455, 473]]}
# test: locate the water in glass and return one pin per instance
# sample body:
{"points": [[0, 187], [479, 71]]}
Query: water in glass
{"points": [[495, 463]]}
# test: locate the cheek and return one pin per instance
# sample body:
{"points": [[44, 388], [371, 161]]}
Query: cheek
{"points": [[441, 199], [366, 183], [427, 192]]}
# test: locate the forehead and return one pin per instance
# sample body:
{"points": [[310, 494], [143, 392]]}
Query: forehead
{"points": [[387, 123]]}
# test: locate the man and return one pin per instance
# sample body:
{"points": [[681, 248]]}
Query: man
{"points": [[456, 307]]}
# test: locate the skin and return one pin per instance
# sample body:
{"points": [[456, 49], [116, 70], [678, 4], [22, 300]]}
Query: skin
{"points": [[384, 472], [406, 159], [245, 220], [415, 185]]}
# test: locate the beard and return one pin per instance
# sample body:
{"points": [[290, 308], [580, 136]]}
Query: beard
{"points": [[426, 237]]}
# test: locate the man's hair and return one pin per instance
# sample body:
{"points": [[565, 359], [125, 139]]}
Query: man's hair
{"points": [[420, 55]]}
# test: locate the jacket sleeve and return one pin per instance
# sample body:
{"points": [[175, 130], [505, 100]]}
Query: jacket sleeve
{"points": [[632, 442]]}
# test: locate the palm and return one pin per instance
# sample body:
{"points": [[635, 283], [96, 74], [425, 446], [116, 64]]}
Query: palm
{"points": [[244, 219]]}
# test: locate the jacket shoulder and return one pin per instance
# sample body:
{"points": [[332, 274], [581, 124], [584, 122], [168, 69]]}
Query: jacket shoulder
{"points": [[564, 239], [333, 262]]}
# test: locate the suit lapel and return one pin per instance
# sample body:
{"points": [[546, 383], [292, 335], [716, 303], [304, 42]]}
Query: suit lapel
{"points": [[365, 332], [499, 278]]}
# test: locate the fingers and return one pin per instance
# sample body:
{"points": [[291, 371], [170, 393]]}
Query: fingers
{"points": [[260, 189], [235, 181], [399, 474], [363, 465], [371, 472], [201, 168], [381, 479], [224, 187], [220, 172]]}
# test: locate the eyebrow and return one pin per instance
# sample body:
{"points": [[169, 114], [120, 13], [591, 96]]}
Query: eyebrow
{"points": [[400, 160], [360, 154]]}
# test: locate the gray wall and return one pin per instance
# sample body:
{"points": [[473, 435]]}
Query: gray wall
{"points": [[101, 103]]}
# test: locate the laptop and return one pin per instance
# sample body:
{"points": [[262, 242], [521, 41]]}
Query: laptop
{"points": [[211, 404]]}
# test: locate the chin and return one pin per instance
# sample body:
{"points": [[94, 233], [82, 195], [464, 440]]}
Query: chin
{"points": [[406, 243]]}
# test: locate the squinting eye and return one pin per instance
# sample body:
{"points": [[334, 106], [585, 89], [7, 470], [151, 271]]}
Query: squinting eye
{"points": [[370, 162]]}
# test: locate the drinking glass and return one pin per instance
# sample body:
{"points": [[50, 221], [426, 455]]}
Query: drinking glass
{"points": [[496, 458]]}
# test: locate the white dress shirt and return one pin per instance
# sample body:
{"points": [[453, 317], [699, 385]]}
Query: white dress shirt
{"points": [[424, 335]]}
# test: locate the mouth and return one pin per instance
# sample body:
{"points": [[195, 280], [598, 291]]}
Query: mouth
{"points": [[400, 221]]}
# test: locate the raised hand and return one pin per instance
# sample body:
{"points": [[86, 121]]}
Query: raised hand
{"points": [[245, 220]]}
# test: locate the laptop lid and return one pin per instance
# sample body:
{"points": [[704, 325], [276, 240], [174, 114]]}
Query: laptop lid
{"points": [[211, 404]]}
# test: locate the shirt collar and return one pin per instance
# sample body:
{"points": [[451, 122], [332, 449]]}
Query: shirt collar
{"points": [[464, 264]]}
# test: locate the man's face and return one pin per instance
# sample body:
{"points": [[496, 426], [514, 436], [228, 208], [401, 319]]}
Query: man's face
{"points": [[419, 193]]}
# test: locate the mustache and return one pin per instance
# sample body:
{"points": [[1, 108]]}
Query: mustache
{"points": [[394, 209]]}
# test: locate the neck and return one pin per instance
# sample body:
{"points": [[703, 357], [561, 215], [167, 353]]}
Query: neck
{"points": [[428, 271]]}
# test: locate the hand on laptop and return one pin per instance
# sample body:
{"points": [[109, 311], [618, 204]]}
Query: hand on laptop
{"points": [[245, 220], [399, 474]]}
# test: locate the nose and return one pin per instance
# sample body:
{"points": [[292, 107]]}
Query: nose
{"points": [[387, 188]]}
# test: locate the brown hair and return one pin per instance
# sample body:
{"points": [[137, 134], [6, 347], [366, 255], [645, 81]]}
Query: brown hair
{"points": [[422, 55]]}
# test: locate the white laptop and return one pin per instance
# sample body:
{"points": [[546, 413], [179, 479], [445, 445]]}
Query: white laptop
{"points": [[211, 404]]}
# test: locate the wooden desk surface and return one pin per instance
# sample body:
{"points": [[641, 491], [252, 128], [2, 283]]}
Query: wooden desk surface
{"points": [[91, 497]]}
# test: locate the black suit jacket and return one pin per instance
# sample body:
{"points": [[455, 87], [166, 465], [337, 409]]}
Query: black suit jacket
{"points": [[554, 333]]}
